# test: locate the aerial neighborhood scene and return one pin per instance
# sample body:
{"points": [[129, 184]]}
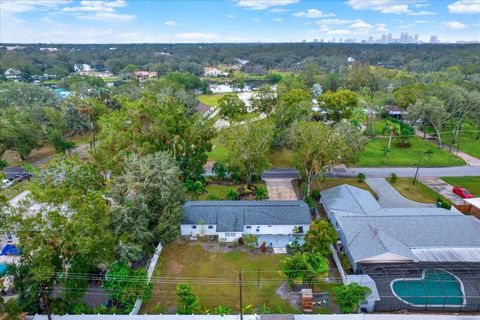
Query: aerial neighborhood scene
{"points": [[240, 159]]}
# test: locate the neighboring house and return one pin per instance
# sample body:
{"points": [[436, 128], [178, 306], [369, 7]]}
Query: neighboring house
{"points": [[274, 222], [203, 108], [396, 112], [13, 74], [212, 72], [398, 246], [144, 75], [50, 49], [82, 67]]}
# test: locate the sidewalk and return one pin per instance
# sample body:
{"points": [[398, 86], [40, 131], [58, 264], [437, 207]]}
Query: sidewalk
{"points": [[470, 160]]}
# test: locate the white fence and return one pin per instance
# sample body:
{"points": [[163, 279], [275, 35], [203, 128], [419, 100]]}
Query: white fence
{"points": [[151, 268]]}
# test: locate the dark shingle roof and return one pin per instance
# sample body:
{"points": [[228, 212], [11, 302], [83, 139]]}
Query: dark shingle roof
{"points": [[231, 216]]}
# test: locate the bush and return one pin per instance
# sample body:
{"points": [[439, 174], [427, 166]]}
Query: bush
{"points": [[241, 241], [393, 177], [316, 194], [220, 170], [310, 203], [261, 194], [212, 197], [79, 308], [350, 296], [442, 204], [250, 240], [263, 247], [232, 194], [294, 247], [361, 177]]}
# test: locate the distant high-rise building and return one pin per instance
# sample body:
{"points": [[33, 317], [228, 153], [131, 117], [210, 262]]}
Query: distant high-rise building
{"points": [[370, 39], [315, 40], [434, 39]]}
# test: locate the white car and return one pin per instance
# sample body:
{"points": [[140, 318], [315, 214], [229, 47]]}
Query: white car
{"points": [[6, 183]]}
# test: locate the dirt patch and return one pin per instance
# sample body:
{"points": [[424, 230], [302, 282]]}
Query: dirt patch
{"points": [[284, 292], [174, 267]]}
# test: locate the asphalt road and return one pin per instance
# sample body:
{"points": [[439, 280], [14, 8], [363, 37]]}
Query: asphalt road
{"points": [[408, 172]]}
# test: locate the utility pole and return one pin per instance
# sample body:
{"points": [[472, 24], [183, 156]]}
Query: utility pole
{"points": [[258, 278], [240, 293]]}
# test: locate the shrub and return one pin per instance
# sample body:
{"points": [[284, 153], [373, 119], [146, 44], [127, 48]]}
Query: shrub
{"points": [[261, 194], [316, 194], [250, 240], [220, 170], [232, 194], [442, 204], [263, 247], [350, 296], [361, 177], [212, 197], [310, 203], [241, 241], [393, 177]]}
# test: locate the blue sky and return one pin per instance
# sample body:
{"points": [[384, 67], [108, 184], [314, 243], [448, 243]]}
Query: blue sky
{"points": [[134, 21]]}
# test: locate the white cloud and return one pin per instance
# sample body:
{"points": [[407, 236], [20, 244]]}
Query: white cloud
{"points": [[385, 6], [360, 24], [421, 21], [381, 27], [263, 4], [454, 25], [107, 16], [100, 10], [421, 5], [256, 20], [422, 13], [16, 6], [278, 10], [231, 16], [465, 6], [313, 13], [278, 20], [333, 21], [171, 23], [195, 36]]}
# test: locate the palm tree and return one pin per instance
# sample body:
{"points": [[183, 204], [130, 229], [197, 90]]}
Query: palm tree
{"points": [[392, 129]]}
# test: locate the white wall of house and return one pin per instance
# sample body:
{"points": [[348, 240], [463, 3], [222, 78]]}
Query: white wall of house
{"points": [[229, 236], [273, 229], [198, 230]]}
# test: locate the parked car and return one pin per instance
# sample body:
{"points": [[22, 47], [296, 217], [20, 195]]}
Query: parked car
{"points": [[23, 176], [6, 183], [462, 192]]}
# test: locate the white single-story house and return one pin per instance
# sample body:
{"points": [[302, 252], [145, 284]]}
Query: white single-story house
{"points": [[274, 221]]}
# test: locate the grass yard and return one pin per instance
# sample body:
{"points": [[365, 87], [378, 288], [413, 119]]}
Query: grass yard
{"points": [[467, 141], [210, 99], [193, 261], [220, 190], [328, 183], [281, 159], [219, 151], [373, 155], [472, 184], [15, 190], [418, 192]]}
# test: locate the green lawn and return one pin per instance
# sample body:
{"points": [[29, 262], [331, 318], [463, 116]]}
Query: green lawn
{"points": [[15, 190], [323, 184], [220, 190], [281, 159], [418, 192], [210, 99], [373, 155], [467, 141], [472, 184], [219, 151], [193, 261]]}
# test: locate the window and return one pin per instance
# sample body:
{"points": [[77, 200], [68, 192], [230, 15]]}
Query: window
{"points": [[269, 226], [249, 227], [210, 227], [230, 234], [194, 227]]}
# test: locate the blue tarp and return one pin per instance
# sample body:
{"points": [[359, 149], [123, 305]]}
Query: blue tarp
{"points": [[10, 250]]}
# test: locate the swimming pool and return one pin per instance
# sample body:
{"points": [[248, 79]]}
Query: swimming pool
{"points": [[436, 288], [3, 268]]}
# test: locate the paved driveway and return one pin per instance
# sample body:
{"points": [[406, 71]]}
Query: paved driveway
{"points": [[389, 197], [280, 189], [441, 187]]}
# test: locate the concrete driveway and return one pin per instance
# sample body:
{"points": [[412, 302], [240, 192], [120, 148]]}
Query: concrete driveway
{"points": [[441, 187], [389, 197], [280, 189]]}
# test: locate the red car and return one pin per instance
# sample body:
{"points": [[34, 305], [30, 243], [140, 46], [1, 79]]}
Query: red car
{"points": [[462, 192]]}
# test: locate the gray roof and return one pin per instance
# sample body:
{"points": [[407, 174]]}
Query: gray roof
{"points": [[349, 199], [370, 236], [231, 216], [417, 234]]}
